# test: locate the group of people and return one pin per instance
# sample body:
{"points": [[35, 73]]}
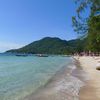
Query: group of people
{"points": [[87, 54]]}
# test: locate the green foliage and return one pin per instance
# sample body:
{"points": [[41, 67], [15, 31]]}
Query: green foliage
{"points": [[80, 23], [51, 46], [88, 26], [94, 34]]}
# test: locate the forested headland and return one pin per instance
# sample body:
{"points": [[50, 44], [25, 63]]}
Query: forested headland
{"points": [[50, 45]]}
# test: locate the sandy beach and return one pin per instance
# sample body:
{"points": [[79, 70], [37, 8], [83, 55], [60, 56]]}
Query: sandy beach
{"points": [[65, 85], [91, 90], [80, 83]]}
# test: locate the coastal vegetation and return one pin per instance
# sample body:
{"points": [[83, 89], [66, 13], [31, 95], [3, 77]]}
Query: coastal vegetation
{"points": [[89, 26], [50, 45]]}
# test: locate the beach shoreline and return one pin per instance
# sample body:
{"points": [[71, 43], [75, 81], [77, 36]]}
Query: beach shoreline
{"points": [[78, 81], [91, 90], [65, 85]]}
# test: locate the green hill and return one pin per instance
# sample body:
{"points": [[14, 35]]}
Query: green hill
{"points": [[50, 45]]}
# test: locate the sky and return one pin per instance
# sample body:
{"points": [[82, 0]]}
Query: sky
{"points": [[25, 21]]}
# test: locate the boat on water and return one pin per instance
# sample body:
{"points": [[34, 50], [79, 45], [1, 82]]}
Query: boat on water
{"points": [[66, 55], [42, 55], [21, 55]]}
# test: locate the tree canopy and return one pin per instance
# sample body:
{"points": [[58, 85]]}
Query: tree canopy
{"points": [[90, 25]]}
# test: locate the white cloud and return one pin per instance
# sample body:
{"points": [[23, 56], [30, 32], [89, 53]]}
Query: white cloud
{"points": [[7, 46]]}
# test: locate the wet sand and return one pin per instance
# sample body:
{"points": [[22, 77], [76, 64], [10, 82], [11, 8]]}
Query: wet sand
{"points": [[65, 85], [91, 91], [72, 83]]}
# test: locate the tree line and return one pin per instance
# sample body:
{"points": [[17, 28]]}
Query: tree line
{"points": [[88, 27]]}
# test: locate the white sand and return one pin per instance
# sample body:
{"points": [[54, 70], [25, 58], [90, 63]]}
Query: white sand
{"points": [[92, 89], [66, 84], [63, 86]]}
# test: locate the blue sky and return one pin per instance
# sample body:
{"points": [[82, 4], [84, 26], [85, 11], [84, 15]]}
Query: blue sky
{"points": [[24, 21]]}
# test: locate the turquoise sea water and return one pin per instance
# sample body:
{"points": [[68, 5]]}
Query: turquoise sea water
{"points": [[21, 76]]}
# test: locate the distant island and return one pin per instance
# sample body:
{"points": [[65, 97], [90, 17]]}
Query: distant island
{"points": [[50, 45]]}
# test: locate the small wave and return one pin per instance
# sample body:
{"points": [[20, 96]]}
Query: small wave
{"points": [[63, 86]]}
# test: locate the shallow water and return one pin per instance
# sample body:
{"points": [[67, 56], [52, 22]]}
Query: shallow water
{"points": [[21, 76], [64, 85]]}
